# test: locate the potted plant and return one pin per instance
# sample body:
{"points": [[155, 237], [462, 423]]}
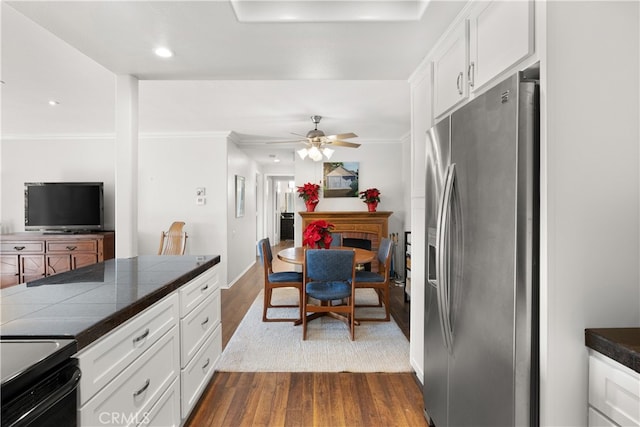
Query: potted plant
{"points": [[309, 193], [371, 196], [318, 234]]}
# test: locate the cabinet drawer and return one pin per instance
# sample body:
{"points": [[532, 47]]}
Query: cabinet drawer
{"points": [[132, 393], [106, 358], [596, 419], [15, 247], [614, 390], [166, 412], [73, 246], [195, 377], [194, 292], [195, 327]]}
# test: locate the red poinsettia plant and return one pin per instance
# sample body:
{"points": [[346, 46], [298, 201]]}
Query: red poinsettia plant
{"points": [[370, 195], [309, 192], [318, 234]]}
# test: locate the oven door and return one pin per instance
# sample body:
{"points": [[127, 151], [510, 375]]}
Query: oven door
{"points": [[40, 392]]}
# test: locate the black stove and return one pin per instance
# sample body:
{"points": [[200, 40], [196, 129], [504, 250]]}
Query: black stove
{"points": [[39, 382]]}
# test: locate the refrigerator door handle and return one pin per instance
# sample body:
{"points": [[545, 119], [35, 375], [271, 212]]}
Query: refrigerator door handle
{"points": [[443, 258]]}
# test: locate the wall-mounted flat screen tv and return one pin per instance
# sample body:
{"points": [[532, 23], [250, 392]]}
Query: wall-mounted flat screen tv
{"points": [[63, 206]]}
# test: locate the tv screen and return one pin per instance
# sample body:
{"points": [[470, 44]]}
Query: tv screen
{"points": [[63, 206]]}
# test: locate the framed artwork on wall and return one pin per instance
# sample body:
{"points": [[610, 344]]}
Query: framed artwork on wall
{"points": [[340, 179], [239, 196]]}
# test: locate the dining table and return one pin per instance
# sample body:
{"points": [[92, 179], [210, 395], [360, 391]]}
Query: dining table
{"points": [[295, 255]]}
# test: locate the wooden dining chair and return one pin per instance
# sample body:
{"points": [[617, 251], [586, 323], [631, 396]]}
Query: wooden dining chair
{"points": [[380, 282], [174, 241], [275, 280], [329, 275]]}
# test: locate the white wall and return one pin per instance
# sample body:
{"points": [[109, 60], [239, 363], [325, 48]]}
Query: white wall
{"points": [[241, 232], [52, 160], [591, 217], [170, 170], [381, 166], [421, 113]]}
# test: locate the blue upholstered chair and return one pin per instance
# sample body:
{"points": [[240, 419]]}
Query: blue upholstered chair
{"points": [[329, 275], [336, 239], [380, 281], [274, 280]]}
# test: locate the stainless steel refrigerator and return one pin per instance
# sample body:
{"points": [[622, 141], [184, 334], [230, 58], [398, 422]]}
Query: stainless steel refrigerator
{"points": [[481, 296]]}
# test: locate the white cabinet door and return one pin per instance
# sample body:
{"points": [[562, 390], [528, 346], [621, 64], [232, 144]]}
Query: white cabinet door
{"points": [[500, 36], [450, 71], [614, 390]]}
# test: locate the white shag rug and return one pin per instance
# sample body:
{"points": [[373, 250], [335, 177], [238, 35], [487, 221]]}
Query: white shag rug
{"points": [[259, 346]]}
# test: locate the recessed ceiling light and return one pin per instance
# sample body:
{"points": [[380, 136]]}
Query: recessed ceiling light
{"points": [[163, 52], [53, 102]]}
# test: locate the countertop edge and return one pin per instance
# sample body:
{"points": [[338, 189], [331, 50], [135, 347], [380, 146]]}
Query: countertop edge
{"points": [[601, 341]]}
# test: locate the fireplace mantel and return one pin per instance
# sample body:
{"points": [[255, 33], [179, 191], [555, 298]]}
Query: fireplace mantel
{"points": [[356, 224]]}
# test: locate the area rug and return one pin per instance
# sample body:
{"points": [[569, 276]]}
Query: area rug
{"points": [[257, 346]]}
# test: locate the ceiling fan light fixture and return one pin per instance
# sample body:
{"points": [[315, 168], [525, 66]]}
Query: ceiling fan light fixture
{"points": [[303, 152], [328, 152], [315, 154]]}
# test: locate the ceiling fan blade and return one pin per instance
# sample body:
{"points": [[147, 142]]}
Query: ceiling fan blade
{"points": [[297, 134], [339, 143], [289, 141], [342, 136]]}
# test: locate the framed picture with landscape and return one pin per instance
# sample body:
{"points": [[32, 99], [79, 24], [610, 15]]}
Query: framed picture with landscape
{"points": [[340, 179]]}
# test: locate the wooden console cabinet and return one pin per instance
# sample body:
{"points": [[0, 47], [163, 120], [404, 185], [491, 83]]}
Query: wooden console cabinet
{"points": [[29, 256]]}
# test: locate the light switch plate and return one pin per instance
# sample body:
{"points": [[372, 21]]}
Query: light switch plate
{"points": [[201, 200]]}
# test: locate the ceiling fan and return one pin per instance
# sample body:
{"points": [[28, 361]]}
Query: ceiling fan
{"points": [[319, 144]]}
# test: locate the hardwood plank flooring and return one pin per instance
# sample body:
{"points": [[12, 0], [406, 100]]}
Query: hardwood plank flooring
{"points": [[321, 399]]}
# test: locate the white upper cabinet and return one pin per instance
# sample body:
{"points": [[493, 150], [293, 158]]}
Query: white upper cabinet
{"points": [[500, 36], [450, 70], [490, 38]]}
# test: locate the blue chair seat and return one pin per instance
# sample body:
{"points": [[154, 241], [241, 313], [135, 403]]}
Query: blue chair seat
{"points": [[285, 276], [369, 276], [327, 291]]}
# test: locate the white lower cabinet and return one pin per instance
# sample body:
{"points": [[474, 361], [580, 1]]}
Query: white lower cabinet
{"points": [[151, 370], [195, 377], [166, 412], [200, 338], [614, 393], [126, 399]]}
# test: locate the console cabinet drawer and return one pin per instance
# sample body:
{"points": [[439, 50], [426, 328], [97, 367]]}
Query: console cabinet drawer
{"points": [[17, 247], [73, 246], [133, 393], [106, 358], [195, 327], [195, 377], [166, 412], [194, 292]]}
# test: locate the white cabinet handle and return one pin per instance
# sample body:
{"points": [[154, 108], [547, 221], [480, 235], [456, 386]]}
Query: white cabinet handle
{"points": [[471, 74], [459, 82], [143, 389], [141, 337], [205, 321], [204, 288], [204, 367]]}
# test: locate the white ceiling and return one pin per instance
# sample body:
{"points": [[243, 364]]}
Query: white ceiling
{"points": [[261, 80]]}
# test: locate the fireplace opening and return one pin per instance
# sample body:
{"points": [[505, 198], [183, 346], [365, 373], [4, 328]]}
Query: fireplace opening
{"points": [[360, 244]]}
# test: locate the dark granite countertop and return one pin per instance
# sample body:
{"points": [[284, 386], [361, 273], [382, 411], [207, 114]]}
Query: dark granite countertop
{"points": [[87, 303], [620, 344]]}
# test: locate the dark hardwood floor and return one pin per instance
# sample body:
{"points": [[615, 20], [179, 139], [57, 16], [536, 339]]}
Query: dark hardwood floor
{"points": [[305, 399]]}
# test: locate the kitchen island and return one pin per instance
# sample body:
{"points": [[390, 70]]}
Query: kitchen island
{"points": [[147, 328]]}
